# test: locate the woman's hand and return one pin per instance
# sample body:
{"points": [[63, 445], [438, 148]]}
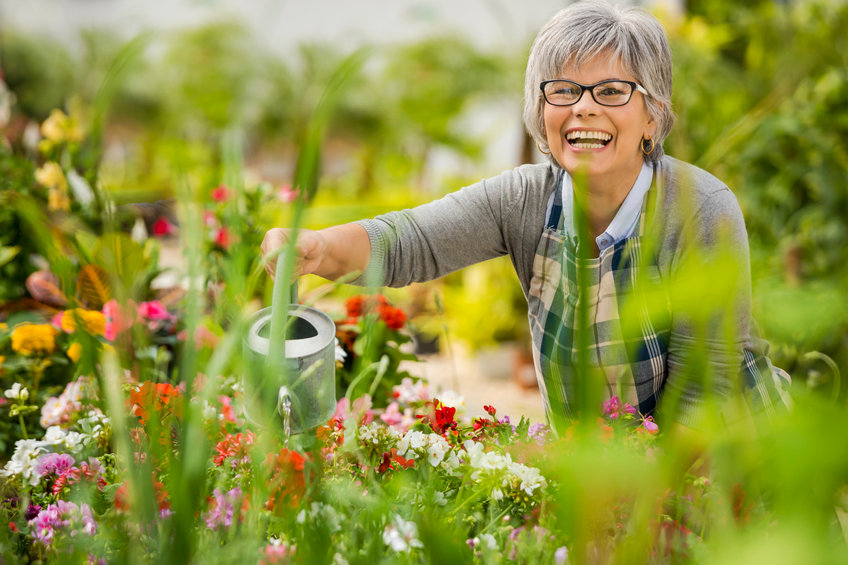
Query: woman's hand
{"points": [[310, 248], [329, 253]]}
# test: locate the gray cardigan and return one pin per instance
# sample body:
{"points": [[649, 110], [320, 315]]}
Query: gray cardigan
{"points": [[506, 213]]}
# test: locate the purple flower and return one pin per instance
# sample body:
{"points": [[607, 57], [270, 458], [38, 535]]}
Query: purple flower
{"points": [[561, 555], [224, 508], [53, 463], [538, 433], [62, 515], [32, 511]]}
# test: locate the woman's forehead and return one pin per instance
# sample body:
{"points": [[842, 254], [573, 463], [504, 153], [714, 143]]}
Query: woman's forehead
{"points": [[605, 63]]}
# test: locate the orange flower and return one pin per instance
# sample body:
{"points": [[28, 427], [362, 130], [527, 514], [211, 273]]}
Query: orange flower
{"points": [[152, 397], [287, 482], [28, 339]]}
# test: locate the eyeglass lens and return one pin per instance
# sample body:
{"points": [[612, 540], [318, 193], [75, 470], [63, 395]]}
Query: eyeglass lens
{"points": [[608, 93]]}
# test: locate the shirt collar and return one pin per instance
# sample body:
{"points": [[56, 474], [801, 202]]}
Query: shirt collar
{"points": [[626, 219]]}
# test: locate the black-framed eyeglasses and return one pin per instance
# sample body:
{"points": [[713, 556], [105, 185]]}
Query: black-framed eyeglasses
{"points": [[613, 92]]}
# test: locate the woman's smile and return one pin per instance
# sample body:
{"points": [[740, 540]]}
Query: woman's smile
{"points": [[601, 141]]}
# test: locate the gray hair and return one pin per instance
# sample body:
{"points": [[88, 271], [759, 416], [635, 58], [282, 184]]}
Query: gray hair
{"points": [[584, 30]]}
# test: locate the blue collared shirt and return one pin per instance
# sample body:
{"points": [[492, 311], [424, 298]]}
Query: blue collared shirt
{"points": [[626, 220]]}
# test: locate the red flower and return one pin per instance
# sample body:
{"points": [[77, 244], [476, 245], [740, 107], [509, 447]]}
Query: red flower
{"points": [[233, 445], [444, 419], [354, 305], [489, 410], [405, 463], [395, 318], [386, 464], [223, 238], [162, 227], [220, 193]]}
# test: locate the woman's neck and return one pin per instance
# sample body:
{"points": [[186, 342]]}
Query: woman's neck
{"points": [[602, 200]]}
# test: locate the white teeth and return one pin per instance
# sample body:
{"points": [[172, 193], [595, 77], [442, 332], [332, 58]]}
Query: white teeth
{"points": [[587, 134], [588, 145]]}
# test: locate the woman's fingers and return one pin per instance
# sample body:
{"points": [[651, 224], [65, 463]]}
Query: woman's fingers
{"points": [[275, 239], [309, 248]]}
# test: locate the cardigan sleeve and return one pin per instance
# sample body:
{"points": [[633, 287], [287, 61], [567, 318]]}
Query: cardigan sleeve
{"points": [[490, 218]]}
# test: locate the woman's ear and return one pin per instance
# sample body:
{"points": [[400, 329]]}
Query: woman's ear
{"points": [[651, 125]]}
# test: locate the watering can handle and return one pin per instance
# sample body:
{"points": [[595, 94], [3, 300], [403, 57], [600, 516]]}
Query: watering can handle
{"points": [[279, 309], [278, 282]]}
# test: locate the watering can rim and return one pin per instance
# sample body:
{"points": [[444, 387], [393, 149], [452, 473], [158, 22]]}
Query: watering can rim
{"points": [[295, 348]]}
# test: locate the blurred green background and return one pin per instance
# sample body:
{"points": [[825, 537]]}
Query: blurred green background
{"points": [[759, 92]]}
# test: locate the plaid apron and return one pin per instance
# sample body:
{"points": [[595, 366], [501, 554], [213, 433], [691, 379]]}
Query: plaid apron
{"points": [[631, 358]]}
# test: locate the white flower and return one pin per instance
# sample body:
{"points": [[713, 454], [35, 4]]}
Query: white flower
{"points": [[451, 462], [451, 399], [324, 513], [71, 441], [411, 441], [497, 494], [436, 449], [530, 477], [24, 460], [408, 391], [209, 411], [341, 354], [17, 392], [401, 535]]}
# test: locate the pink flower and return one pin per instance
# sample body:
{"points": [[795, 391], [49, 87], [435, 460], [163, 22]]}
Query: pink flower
{"points": [[210, 220], [342, 409], [612, 406], [220, 193], [118, 318], [401, 421], [287, 194], [649, 424], [629, 409], [162, 227], [53, 463], [223, 237], [153, 310]]}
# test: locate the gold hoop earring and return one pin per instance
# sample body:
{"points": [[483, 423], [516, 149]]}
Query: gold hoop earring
{"points": [[642, 145], [539, 146]]}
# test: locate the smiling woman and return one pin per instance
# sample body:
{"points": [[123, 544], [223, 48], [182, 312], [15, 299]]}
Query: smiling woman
{"points": [[634, 264]]}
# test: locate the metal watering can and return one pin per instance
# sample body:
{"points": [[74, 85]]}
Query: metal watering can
{"points": [[294, 375]]}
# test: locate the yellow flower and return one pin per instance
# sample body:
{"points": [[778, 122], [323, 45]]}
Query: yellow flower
{"points": [[2, 358], [56, 126], [93, 321], [50, 175], [74, 352], [57, 199], [33, 338]]}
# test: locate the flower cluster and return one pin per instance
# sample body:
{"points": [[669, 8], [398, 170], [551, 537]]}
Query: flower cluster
{"points": [[371, 331]]}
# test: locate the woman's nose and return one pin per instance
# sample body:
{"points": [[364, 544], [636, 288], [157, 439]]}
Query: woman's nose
{"points": [[585, 105]]}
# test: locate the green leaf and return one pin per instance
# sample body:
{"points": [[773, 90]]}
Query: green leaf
{"points": [[7, 253]]}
